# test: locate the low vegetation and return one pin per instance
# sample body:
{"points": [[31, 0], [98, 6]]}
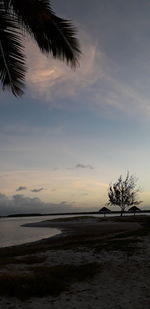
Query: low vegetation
{"points": [[42, 281], [70, 219], [28, 260]]}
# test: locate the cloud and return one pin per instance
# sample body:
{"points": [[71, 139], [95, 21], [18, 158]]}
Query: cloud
{"points": [[98, 84], [64, 203], [37, 190], [20, 204], [88, 166], [21, 188], [51, 79]]}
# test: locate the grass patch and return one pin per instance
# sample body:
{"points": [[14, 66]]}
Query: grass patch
{"points": [[42, 281], [70, 219], [129, 246], [132, 218], [29, 260]]}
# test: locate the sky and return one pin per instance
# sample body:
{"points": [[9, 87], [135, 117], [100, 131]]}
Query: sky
{"points": [[76, 131]]}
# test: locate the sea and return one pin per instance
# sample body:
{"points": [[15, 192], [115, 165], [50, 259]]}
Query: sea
{"points": [[13, 233]]}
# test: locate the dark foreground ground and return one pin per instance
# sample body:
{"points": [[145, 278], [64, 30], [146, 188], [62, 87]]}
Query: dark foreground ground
{"points": [[94, 263]]}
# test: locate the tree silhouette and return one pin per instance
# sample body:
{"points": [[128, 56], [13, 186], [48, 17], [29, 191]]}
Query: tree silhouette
{"points": [[52, 34], [123, 193]]}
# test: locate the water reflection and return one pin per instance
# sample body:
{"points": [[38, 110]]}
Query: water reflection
{"points": [[12, 233]]}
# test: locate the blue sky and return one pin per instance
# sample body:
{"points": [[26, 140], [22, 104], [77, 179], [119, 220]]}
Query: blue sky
{"points": [[73, 132]]}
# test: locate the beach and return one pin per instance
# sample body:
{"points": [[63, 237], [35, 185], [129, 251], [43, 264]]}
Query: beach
{"points": [[93, 263]]}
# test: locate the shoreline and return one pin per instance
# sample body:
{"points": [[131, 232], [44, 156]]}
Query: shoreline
{"points": [[86, 227], [70, 227], [73, 231]]}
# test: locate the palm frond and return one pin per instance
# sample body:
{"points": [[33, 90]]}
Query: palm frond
{"points": [[12, 66], [52, 34]]}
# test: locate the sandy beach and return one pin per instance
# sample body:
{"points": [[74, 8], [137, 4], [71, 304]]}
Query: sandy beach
{"points": [[104, 263]]}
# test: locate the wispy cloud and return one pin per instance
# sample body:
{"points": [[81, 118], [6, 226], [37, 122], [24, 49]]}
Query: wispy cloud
{"points": [[21, 188], [52, 79], [88, 166], [98, 80], [37, 190]]}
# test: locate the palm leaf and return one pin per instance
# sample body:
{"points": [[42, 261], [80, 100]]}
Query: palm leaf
{"points": [[52, 34], [12, 68]]}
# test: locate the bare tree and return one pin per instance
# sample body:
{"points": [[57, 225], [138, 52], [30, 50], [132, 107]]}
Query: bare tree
{"points": [[123, 193]]}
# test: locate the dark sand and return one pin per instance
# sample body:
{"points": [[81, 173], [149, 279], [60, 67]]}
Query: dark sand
{"points": [[121, 246]]}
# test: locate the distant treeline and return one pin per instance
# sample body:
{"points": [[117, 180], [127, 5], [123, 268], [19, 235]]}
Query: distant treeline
{"points": [[69, 213]]}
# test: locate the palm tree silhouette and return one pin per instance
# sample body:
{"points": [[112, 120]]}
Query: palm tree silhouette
{"points": [[53, 35]]}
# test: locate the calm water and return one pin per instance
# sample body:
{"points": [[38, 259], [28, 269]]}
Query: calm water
{"points": [[12, 233]]}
